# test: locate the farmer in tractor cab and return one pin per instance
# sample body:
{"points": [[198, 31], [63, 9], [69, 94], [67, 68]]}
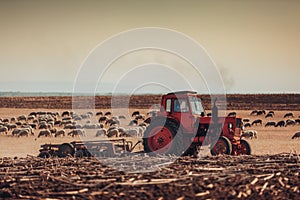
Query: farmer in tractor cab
{"points": [[180, 105], [176, 106]]}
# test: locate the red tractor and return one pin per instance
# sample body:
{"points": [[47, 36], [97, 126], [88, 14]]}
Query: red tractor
{"points": [[181, 127]]}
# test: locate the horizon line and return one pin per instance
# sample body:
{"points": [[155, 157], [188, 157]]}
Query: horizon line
{"points": [[34, 94]]}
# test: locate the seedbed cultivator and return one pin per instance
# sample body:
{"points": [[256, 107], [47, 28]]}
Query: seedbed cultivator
{"points": [[99, 148]]}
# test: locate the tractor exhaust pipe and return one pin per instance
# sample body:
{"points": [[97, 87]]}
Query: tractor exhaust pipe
{"points": [[214, 112]]}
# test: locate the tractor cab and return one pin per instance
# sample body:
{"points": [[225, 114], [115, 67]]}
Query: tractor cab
{"points": [[184, 107], [182, 102]]}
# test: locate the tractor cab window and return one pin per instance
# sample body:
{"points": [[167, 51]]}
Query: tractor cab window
{"points": [[181, 105], [168, 105], [196, 105]]}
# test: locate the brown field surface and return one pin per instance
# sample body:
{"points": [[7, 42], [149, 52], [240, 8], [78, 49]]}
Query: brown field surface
{"points": [[272, 172], [270, 140]]}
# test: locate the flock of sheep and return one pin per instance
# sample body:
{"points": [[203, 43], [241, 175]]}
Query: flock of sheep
{"points": [[288, 120], [271, 114], [68, 123]]}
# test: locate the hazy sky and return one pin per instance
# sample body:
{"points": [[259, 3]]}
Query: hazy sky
{"points": [[255, 44]]}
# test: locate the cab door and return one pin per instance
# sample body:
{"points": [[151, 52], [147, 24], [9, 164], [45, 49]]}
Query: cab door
{"points": [[182, 111]]}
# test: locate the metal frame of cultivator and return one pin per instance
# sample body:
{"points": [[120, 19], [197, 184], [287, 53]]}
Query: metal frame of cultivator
{"points": [[100, 148]]}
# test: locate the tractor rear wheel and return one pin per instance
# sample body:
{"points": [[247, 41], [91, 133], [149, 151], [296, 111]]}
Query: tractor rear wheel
{"points": [[245, 147], [223, 146], [163, 137], [65, 149]]}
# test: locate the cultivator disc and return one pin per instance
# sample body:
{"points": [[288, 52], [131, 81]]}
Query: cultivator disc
{"points": [[65, 150]]}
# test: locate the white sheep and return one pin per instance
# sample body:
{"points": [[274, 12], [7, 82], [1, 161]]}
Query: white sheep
{"points": [[60, 132], [22, 131], [101, 131], [249, 134], [45, 133], [112, 132]]}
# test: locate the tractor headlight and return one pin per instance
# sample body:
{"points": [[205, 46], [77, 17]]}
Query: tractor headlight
{"points": [[230, 125]]}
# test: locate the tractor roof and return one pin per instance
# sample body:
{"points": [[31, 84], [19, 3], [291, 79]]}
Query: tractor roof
{"points": [[182, 92]]}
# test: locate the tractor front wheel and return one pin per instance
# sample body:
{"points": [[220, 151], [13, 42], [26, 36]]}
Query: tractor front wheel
{"points": [[245, 147], [163, 137], [223, 146]]}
